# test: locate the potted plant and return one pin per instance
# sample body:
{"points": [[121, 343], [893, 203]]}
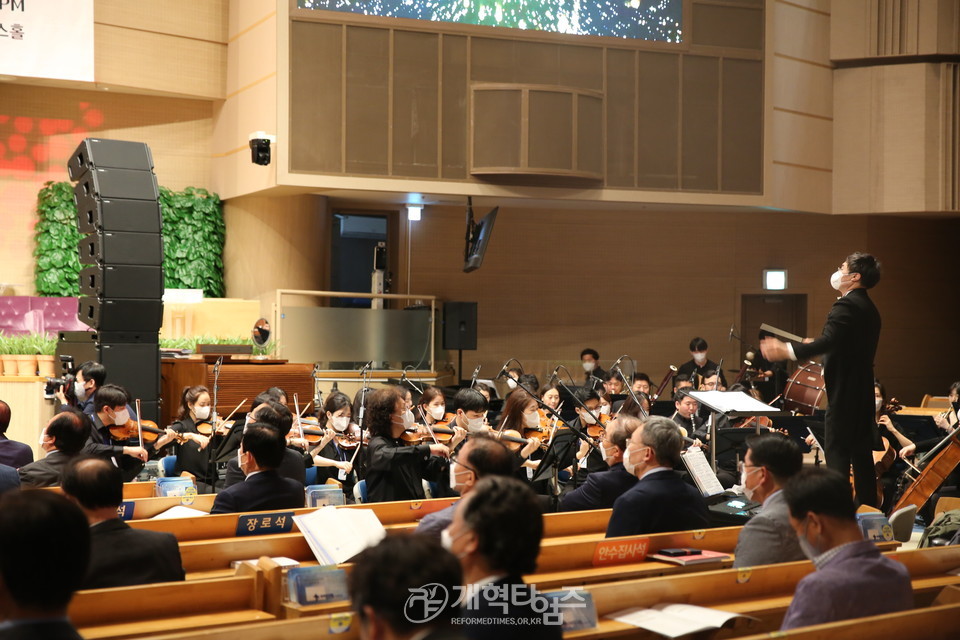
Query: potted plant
{"points": [[7, 355], [21, 347], [45, 348]]}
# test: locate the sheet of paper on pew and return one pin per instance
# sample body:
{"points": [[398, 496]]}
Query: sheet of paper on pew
{"points": [[336, 535], [695, 556], [280, 560], [179, 511], [674, 620]]}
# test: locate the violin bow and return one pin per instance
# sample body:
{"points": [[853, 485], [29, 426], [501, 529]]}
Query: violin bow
{"points": [[139, 425], [296, 407]]}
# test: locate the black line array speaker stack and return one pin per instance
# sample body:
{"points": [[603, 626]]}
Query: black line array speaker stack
{"points": [[121, 250]]}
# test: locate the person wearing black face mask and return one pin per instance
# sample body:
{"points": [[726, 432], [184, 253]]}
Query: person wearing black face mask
{"points": [[848, 343]]}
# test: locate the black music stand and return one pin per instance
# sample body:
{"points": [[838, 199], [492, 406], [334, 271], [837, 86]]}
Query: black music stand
{"points": [[732, 404]]}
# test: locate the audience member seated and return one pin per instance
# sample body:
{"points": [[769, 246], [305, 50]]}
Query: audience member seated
{"points": [[496, 533], [90, 377], [852, 579], [389, 590], [602, 488], [119, 555], [62, 439], [9, 478], [480, 457], [768, 538], [260, 453], [293, 465], [46, 544], [396, 471], [660, 501], [12, 453], [226, 440], [110, 409]]}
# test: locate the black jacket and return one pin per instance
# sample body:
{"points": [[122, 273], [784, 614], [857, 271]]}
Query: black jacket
{"points": [[263, 491], [600, 490], [507, 601], [658, 503], [121, 556]]}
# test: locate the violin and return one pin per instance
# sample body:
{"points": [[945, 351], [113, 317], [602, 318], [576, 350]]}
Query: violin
{"points": [[512, 439], [752, 422], [127, 431], [223, 427]]}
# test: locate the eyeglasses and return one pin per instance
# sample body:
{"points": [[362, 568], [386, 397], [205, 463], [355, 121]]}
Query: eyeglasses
{"points": [[455, 459]]}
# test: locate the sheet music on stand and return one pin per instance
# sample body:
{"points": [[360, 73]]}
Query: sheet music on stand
{"points": [[699, 469], [733, 404]]}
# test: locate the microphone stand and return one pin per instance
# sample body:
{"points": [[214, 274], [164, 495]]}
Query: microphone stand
{"points": [[211, 457], [360, 411], [633, 394], [473, 380]]}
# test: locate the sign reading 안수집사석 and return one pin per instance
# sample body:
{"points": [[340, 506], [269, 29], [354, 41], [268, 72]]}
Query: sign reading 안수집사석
{"points": [[47, 39]]}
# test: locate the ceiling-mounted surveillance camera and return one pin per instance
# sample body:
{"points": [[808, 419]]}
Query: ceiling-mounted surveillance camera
{"points": [[260, 147]]}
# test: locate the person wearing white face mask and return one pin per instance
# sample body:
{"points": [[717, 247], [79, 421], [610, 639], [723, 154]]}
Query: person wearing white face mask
{"points": [[849, 343], [471, 406], [698, 364], [62, 439], [479, 457], [432, 406], [602, 488], [395, 470], [496, 533], [334, 453], [593, 373], [192, 454], [90, 377], [852, 578], [586, 458], [767, 538], [112, 408], [660, 501]]}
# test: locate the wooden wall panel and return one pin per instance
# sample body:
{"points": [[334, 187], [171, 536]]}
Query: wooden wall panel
{"points": [[551, 125], [367, 115], [415, 109], [316, 101], [741, 155], [185, 18], [658, 134], [699, 123], [621, 117], [453, 125]]}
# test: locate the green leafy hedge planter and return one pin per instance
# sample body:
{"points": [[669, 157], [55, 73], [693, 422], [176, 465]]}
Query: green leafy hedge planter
{"points": [[193, 236]]}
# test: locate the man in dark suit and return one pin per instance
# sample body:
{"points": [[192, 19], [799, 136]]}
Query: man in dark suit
{"points": [[496, 533], [292, 466], [261, 452], [660, 501], [46, 544], [62, 439], [12, 453], [848, 345], [602, 488], [119, 555], [405, 587]]}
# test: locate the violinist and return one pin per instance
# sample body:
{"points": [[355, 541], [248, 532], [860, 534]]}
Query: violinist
{"points": [[396, 471], [291, 464], [432, 407], [471, 408], [520, 416], [587, 458], [191, 452], [226, 438], [947, 421], [110, 409], [550, 396], [487, 392], [335, 451]]}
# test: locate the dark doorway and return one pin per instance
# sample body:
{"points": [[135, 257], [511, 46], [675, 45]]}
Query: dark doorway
{"points": [[783, 311], [353, 244]]}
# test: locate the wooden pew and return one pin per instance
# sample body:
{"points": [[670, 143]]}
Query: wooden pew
{"points": [[762, 592], [170, 606], [131, 490], [930, 623]]}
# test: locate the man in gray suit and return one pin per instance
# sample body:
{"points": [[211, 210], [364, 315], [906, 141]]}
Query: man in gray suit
{"points": [[768, 538]]}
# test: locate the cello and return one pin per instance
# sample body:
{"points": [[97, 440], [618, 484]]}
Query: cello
{"points": [[934, 467]]}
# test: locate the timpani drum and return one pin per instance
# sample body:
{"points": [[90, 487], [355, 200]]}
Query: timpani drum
{"points": [[805, 391]]}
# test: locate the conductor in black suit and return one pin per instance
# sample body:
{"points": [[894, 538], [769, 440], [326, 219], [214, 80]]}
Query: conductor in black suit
{"points": [[120, 556], [660, 501], [261, 452], [848, 345]]}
